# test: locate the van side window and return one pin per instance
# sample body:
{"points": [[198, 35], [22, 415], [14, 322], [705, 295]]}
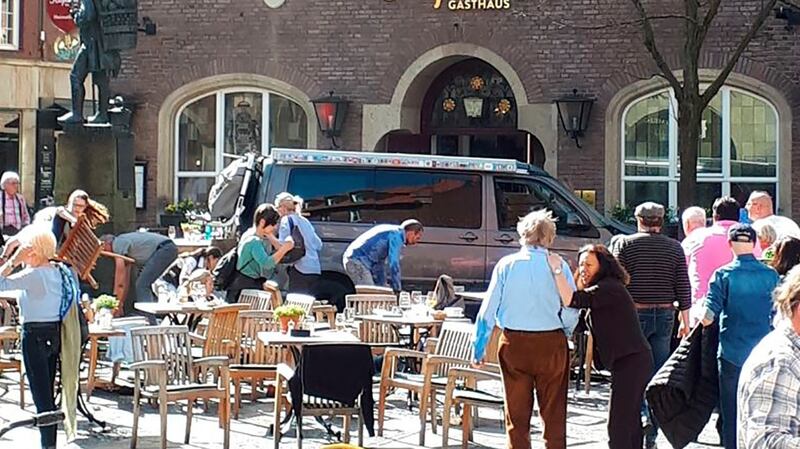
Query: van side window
{"points": [[334, 195], [437, 199], [515, 197]]}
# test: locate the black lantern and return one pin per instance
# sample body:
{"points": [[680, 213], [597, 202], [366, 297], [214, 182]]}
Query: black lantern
{"points": [[573, 112], [331, 111]]}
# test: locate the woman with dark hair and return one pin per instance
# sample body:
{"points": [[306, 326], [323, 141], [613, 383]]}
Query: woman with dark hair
{"points": [[256, 261], [620, 343], [78, 205], [787, 255]]}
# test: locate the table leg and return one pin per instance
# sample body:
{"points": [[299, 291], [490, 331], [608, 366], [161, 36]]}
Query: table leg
{"points": [[90, 381]]}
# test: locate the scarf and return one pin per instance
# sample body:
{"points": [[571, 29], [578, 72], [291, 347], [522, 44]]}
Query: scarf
{"points": [[70, 348]]}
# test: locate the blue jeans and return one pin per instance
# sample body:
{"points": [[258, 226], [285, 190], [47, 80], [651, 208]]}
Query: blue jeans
{"points": [[41, 347], [728, 383], [657, 325]]}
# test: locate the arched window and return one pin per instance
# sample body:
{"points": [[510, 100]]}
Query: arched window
{"points": [[214, 128], [738, 149]]}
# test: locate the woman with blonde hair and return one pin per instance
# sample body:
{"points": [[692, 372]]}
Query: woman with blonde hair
{"points": [[50, 328]]}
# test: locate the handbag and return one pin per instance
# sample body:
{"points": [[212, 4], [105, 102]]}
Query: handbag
{"points": [[299, 249]]}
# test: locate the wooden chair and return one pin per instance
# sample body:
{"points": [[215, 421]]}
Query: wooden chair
{"points": [[365, 304], [272, 288], [373, 290], [304, 301], [164, 370], [254, 361], [222, 332], [379, 336], [258, 299], [453, 348], [315, 401], [462, 389], [10, 350]]}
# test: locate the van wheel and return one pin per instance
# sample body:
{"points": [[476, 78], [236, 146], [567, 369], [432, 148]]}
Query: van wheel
{"points": [[334, 287]]}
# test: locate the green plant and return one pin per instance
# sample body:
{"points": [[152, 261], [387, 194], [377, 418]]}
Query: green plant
{"points": [[105, 302], [291, 311], [181, 207]]}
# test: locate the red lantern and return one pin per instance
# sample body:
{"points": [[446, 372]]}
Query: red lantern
{"points": [[331, 112]]}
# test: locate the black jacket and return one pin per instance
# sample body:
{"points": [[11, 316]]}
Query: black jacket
{"points": [[684, 392], [338, 372]]}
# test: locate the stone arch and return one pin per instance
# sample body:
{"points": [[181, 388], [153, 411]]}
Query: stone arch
{"points": [[184, 94], [403, 112], [630, 93]]}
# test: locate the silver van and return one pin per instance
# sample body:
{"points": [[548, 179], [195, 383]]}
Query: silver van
{"points": [[469, 207]]}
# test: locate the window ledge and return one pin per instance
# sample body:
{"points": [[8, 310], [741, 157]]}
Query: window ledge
{"points": [[9, 47]]}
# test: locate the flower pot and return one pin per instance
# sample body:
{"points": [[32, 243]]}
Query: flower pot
{"points": [[167, 220], [103, 318], [284, 320]]}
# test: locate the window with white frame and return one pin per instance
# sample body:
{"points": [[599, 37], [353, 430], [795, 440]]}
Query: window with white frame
{"points": [[213, 129], [738, 150], [9, 24]]}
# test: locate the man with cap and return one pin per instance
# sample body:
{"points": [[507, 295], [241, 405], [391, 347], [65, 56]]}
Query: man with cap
{"points": [[366, 257], [659, 278], [740, 294], [304, 274]]}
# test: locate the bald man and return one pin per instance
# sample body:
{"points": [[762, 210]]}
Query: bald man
{"points": [[759, 209]]}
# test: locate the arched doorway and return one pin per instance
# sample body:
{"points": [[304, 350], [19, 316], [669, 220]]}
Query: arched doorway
{"points": [[469, 110]]}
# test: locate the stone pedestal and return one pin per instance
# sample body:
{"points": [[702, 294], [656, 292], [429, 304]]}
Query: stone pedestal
{"points": [[100, 162]]}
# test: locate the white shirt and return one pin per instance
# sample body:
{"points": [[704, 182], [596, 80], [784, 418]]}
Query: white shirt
{"points": [[783, 226]]}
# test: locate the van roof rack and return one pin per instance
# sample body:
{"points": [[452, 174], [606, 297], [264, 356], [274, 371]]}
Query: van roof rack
{"points": [[286, 155]]}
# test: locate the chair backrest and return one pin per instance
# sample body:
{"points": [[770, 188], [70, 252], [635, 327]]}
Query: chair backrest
{"points": [[272, 288], [304, 301], [81, 249], [455, 340], [365, 304], [8, 311], [221, 335], [251, 351], [168, 343], [258, 299], [324, 366], [373, 290], [382, 333]]}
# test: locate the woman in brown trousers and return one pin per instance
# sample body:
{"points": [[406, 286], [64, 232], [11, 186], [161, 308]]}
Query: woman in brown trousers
{"points": [[620, 343]]}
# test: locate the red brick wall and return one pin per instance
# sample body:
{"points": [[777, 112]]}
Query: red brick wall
{"points": [[361, 49], [34, 19]]}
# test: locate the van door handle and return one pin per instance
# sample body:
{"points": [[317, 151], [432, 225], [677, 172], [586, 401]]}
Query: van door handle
{"points": [[505, 238], [469, 237]]}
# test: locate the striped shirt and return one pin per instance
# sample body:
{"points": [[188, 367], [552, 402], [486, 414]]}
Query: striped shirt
{"points": [[657, 266]]}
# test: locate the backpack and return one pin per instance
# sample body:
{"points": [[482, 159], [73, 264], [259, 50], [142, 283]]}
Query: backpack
{"points": [[232, 183], [299, 249], [225, 271]]}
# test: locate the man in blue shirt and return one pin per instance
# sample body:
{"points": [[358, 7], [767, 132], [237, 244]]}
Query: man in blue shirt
{"points": [[740, 294], [524, 302], [365, 259]]}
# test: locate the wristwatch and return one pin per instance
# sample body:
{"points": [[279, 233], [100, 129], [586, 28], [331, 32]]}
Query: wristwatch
{"points": [[558, 271]]}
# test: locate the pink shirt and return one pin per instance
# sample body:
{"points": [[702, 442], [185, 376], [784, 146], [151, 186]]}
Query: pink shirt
{"points": [[706, 250]]}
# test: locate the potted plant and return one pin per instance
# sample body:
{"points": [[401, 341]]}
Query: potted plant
{"points": [[175, 214], [104, 306], [287, 313]]}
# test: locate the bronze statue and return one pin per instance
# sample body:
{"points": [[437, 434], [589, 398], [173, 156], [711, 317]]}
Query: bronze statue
{"points": [[106, 27]]}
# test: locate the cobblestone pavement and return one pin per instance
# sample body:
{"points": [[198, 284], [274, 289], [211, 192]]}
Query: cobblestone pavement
{"points": [[585, 425]]}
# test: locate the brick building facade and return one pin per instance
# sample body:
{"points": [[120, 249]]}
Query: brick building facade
{"points": [[384, 56]]}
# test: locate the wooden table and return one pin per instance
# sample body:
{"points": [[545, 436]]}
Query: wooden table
{"points": [[186, 245], [95, 334], [188, 314], [473, 296], [414, 322]]}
